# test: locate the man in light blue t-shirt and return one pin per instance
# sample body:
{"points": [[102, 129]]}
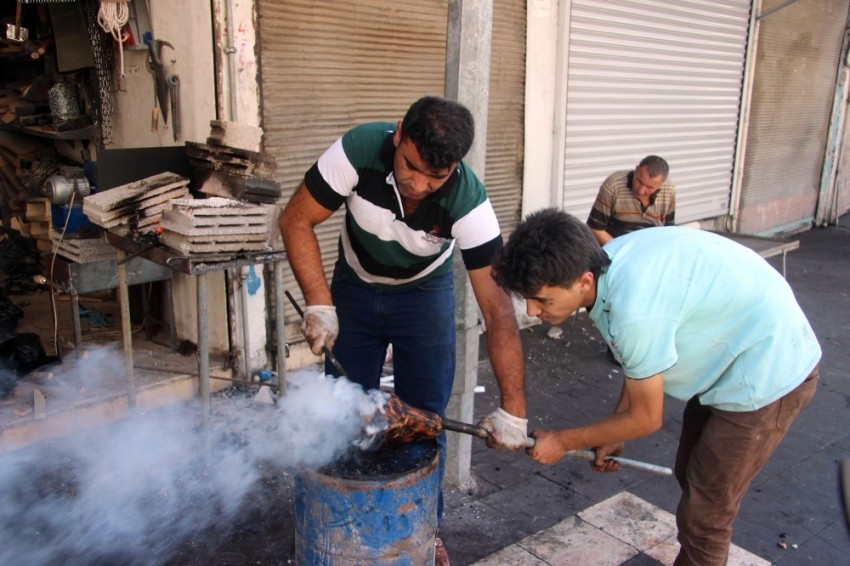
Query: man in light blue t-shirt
{"points": [[687, 313]]}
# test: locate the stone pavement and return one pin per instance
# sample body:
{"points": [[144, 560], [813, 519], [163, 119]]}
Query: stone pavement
{"points": [[621, 528], [524, 513]]}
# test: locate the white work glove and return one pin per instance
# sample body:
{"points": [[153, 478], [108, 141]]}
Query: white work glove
{"points": [[506, 431], [320, 326]]}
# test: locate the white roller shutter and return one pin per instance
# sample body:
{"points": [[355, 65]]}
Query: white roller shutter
{"points": [[654, 77]]}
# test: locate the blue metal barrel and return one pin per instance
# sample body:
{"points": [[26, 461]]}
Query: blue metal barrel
{"points": [[364, 514]]}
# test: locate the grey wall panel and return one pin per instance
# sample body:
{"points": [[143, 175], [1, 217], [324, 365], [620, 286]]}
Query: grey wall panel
{"points": [[505, 127], [795, 71], [328, 66]]}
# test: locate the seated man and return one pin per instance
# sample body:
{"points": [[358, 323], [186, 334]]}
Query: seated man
{"points": [[631, 200]]}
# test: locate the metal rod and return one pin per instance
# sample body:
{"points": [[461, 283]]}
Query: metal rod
{"points": [[325, 349], [204, 366], [279, 326], [126, 330], [137, 253], [243, 274], [480, 432], [190, 374], [465, 428]]}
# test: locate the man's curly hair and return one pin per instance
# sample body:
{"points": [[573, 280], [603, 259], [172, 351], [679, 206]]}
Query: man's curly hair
{"points": [[442, 130], [551, 248]]}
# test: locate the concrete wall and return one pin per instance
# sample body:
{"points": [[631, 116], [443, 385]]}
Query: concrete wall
{"points": [[544, 84], [238, 100], [187, 27]]}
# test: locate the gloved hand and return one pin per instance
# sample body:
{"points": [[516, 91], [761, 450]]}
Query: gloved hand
{"points": [[320, 326], [506, 431]]}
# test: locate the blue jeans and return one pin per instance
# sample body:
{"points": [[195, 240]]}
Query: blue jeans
{"points": [[418, 320]]}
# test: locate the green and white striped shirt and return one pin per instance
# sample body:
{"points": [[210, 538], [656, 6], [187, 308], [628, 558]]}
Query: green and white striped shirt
{"points": [[380, 243]]}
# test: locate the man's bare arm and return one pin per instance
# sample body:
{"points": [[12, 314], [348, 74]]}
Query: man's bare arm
{"points": [[297, 226], [503, 343], [643, 404]]}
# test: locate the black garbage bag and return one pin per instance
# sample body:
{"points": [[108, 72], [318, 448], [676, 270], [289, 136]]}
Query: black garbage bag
{"points": [[20, 355], [10, 314], [20, 261]]}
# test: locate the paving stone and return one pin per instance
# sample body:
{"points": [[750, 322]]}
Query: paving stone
{"points": [[632, 520], [574, 541], [513, 555]]}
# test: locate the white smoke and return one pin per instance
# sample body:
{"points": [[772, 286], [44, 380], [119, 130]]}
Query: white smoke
{"points": [[134, 491]]}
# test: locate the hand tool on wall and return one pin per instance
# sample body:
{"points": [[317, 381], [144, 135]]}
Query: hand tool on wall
{"points": [[155, 113], [160, 79], [16, 33], [174, 91], [406, 423]]}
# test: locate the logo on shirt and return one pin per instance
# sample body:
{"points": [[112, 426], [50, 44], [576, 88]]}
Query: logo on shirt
{"points": [[434, 237]]}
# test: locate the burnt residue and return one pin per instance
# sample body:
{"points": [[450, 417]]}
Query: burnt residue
{"points": [[391, 460]]}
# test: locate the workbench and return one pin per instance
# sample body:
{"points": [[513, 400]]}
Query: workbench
{"points": [[765, 247], [197, 266]]}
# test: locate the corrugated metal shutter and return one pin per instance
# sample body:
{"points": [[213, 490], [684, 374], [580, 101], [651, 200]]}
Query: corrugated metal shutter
{"points": [[654, 77], [328, 66], [799, 47], [505, 120]]}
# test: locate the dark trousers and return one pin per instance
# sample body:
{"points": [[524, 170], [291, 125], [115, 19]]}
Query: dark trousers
{"points": [[419, 321], [720, 452]]}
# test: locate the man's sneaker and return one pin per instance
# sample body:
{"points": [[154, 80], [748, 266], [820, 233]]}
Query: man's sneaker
{"points": [[441, 557]]}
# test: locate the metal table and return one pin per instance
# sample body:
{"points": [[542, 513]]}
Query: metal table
{"points": [[765, 247], [82, 278], [198, 266]]}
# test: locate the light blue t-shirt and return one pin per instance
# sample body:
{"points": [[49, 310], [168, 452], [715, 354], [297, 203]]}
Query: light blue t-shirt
{"points": [[712, 316]]}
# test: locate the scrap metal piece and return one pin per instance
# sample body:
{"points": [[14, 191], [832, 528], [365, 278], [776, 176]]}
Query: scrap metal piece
{"points": [[174, 91]]}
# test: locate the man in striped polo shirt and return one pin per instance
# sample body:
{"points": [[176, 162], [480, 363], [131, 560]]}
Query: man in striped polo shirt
{"points": [[631, 200], [410, 201]]}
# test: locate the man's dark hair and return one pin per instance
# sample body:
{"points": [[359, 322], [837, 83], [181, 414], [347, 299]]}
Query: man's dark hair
{"points": [[441, 129], [655, 166], [549, 247]]}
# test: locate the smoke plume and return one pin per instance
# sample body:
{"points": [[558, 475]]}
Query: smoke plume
{"points": [[133, 491]]}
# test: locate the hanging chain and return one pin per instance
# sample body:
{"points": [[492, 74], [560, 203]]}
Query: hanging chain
{"points": [[102, 76]]}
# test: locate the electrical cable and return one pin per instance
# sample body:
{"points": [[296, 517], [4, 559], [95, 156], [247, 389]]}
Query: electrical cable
{"points": [[52, 264]]}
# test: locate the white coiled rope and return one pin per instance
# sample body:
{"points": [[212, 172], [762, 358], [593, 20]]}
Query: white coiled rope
{"points": [[112, 16]]}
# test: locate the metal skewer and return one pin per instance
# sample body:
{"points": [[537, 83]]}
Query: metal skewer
{"points": [[480, 432]]}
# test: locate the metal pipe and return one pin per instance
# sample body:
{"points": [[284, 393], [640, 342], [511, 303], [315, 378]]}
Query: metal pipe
{"points": [[279, 327], [204, 367], [243, 305], [230, 52], [744, 119], [203, 347], [124, 299], [827, 196], [480, 432], [127, 257]]}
